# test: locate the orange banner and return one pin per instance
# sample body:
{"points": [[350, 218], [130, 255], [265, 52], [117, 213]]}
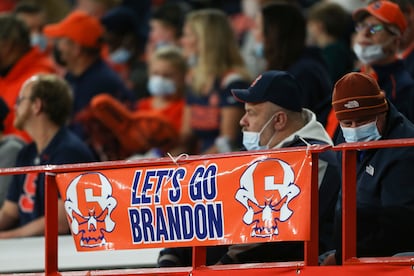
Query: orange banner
{"points": [[224, 200]]}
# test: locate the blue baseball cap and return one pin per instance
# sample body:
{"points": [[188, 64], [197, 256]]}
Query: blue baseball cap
{"points": [[278, 87]]}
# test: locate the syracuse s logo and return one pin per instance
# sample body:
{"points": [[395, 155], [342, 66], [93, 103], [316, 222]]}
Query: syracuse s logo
{"points": [[266, 188], [89, 204]]}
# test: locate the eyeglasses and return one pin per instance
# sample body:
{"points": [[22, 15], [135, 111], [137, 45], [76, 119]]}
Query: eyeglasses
{"points": [[20, 100], [372, 28]]}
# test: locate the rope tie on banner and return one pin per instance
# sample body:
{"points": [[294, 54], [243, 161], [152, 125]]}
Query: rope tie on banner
{"points": [[306, 143], [176, 159]]}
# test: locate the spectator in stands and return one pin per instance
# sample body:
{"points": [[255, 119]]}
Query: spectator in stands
{"points": [[35, 18], [407, 39], [125, 47], [166, 25], [42, 109], [152, 128], [379, 28], [167, 70], [77, 48], [327, 28], [384, 176], [10, 145], [275, 118], [216, 66], [18, 62], [281, 27]]}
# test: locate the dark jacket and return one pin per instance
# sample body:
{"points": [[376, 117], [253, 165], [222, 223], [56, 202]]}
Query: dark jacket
{"points": [[398, 85], [312, 74], [385, 195]]}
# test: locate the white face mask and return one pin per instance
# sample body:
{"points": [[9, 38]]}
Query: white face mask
{"points": [[364, 133], [38, 40], [120, 56], [369, 54], [192, 60], [258, 49], [251, 139], [160, 86]]}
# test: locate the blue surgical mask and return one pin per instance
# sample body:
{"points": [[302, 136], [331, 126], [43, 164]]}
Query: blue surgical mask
{"points": [[38, 40], [251, 139], [160, 86], [120, 56], [258, 49], [364, 133]]}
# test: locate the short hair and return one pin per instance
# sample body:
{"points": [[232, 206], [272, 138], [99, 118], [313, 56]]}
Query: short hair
{"points": [[56, 96], [333, 16], [173, 55], [28, 7], [173, 15], [14, 30]]}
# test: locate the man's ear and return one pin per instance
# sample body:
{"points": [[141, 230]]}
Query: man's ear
{"points": [[37, 106], [280, 120]]}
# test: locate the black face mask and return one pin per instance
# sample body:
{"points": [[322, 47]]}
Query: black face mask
{"points": [[57, 56]]}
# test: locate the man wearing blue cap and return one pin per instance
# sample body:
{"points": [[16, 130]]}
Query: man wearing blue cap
{"points": [[274, 118]]}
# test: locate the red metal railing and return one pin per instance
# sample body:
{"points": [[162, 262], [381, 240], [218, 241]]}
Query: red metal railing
{"points": [[349, 153], [351, 264]]}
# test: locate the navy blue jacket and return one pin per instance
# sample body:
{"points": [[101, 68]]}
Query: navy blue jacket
{"points": [[28, 190], [97, 79], [312, 74], [398, 85], [409, 62], [385, 195]]}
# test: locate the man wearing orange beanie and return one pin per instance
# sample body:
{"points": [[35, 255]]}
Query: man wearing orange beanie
{"points": [[385, 193]]}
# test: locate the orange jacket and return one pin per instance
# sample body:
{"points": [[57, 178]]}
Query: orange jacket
{"points": [[172, 113], [28, 65]]}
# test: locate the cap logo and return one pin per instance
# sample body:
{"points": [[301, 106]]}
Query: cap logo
{"points": [[256, 80], [376, 5], [351, 104]]}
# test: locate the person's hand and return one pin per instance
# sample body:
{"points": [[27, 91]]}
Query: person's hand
{"points": [[329, 260]]}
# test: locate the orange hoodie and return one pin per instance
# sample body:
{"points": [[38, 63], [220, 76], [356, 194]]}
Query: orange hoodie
{"points": [[33, 62]]}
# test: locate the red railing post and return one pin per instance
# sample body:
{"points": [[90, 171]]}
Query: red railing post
{"points": [[348, 204], [312, 246], [51, 225], [199, 256]]}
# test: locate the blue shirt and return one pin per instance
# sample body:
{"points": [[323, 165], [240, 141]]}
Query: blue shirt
{"points": [[98, 78], [205, 110]]}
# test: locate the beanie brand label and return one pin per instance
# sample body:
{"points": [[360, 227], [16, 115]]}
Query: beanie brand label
{"points": [[351, 104]]}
